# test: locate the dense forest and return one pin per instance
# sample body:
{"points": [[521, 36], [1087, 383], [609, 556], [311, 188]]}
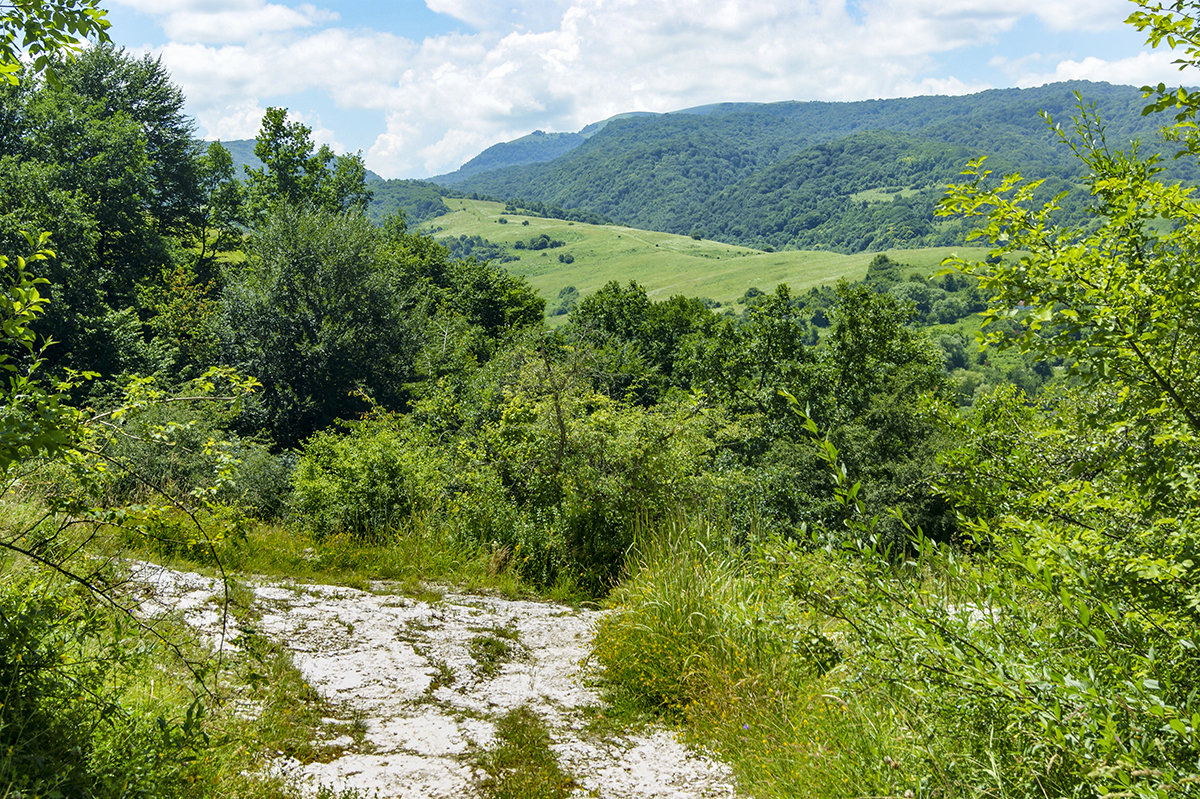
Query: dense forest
{"points": [[848, 556]]}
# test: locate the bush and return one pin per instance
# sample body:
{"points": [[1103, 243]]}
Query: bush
{"points": [[154, 449], [65, 728], [584, 470], [369, 481]]}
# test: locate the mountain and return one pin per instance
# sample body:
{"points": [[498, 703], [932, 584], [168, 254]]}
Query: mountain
{"points": [[536, 148], [843, 176]]}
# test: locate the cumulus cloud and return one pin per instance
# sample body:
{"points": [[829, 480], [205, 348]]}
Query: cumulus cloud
{"points": [[354, 68], [536, 15], [560, 64], [225, 21], [238, 121], [1143, 69]]}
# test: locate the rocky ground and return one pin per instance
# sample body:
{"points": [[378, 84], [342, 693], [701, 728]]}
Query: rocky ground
{"points": [[426, 679]]}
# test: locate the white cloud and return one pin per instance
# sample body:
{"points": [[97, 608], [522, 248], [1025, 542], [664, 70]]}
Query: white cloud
{"points": [[560, 64], [610, 56], [536, 15], [240, 121], [355, 69], [226, 21], [1140, 70], [241, 25]]}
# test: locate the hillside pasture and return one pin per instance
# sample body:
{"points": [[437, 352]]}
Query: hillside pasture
{"points": [[664, 263]]}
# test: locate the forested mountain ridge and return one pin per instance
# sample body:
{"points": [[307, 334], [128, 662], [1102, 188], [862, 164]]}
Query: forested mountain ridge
{"points": [[535, 148], [794, 174], [849, 176]]}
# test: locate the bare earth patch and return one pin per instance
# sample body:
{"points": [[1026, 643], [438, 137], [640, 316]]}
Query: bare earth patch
{"points": [[426, 682]]}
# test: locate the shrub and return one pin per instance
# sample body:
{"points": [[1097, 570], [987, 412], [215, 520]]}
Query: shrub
{"points": [[584, 470], [369, 481], [66, 727]]}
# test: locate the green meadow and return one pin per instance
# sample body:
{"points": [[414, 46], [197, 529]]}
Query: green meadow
{"points": [[664, 263]]}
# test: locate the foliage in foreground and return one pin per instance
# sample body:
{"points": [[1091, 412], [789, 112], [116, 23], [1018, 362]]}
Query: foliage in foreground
{"points": [[714, 641], [93, 706]]}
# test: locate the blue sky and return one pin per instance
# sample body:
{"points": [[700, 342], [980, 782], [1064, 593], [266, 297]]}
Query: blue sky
{"points": [[420, 86]]}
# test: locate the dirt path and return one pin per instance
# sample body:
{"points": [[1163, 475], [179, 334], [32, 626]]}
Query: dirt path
{"points": [[428, 680]]}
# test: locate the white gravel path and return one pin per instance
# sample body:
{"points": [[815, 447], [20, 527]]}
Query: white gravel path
{"points": [[403, 667]]}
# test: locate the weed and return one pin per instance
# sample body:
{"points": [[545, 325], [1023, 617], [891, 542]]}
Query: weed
{"points": [[443, 675], [521, 765], [712, 642], [492, 649]]}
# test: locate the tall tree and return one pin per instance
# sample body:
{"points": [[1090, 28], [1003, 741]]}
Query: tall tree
{"points": [[221, 211], [103, 159], [315, 319], [298, 173], [113, 82]]}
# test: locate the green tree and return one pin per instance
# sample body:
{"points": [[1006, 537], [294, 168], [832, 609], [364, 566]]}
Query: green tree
{"points": [[1173, 23], [104, 160], [1118, 302], [112, 82], [221, 212], [345, 187], [45, 30], [296, 172], [83, 178], [314, 316], [34, 419]]}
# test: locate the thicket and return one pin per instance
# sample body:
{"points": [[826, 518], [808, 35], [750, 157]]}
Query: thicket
{"points": [[1047, 647]]}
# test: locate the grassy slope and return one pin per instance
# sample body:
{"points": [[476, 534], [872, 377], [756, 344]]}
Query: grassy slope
{"points": [[664, 263]]}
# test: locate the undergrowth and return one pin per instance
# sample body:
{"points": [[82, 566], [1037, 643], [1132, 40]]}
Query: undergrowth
{"points": [[97, 704], [521, 764], [708, 638], [413, 558]]}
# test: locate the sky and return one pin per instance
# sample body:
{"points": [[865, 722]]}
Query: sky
{"points": [[421, 86]]}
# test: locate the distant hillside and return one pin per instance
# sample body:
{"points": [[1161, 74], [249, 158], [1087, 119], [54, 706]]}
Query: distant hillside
{"points": [[843, 176], [536, 148], [418, 200]]}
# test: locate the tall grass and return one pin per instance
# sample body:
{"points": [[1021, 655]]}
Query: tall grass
{"points": [[423, 552], [92, 706], [705, 636]]}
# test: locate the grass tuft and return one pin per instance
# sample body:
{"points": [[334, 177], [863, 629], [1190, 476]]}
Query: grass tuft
{"points": [[521, 765]]}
